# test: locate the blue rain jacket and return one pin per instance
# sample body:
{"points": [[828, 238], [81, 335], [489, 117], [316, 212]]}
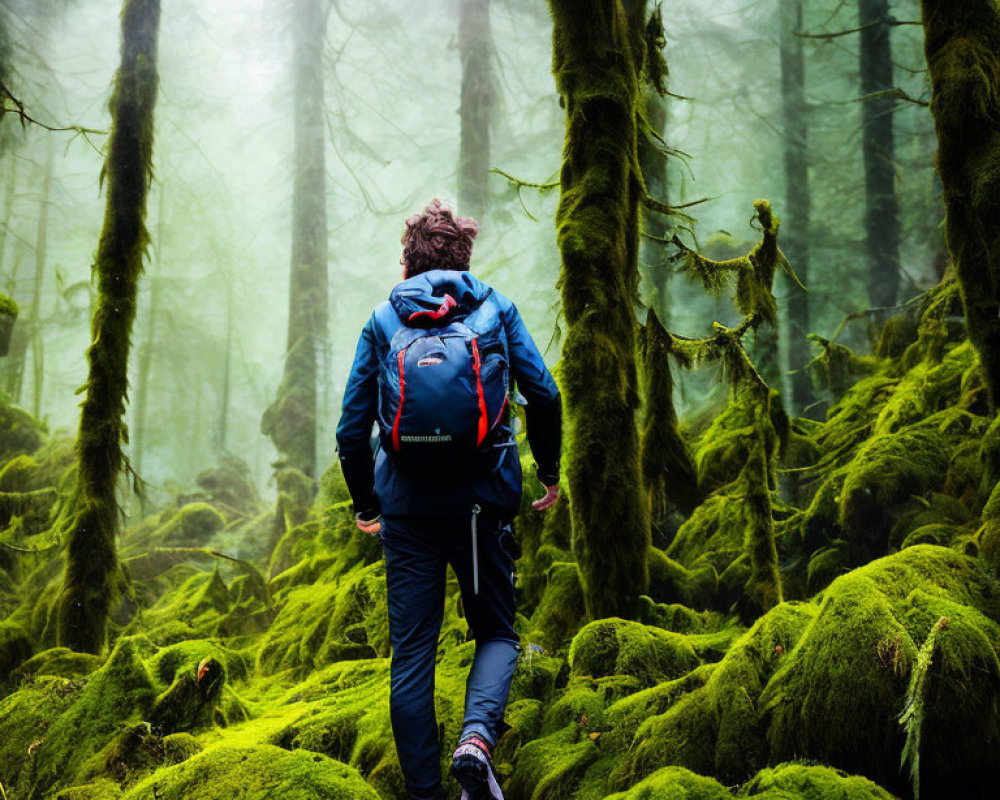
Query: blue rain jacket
{"points": [[376, 484]]}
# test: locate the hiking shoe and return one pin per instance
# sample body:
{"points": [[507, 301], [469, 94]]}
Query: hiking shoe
{"points": [[473, 768]]}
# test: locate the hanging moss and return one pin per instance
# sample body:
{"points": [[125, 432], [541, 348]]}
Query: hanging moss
{"points": [[91, 520], [962, 56], [598, 55]]}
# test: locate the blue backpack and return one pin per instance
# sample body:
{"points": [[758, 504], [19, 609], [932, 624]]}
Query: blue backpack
{"points": [[442, 394]]}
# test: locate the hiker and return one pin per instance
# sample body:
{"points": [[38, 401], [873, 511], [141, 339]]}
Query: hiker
{"points": [[436, 367]]}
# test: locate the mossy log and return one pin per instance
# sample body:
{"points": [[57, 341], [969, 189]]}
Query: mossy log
{"points": [[962, 45], [598, 57], [91, 518]]}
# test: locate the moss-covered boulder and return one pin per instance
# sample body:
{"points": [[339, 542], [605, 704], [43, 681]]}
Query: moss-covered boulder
{"points": [[810, 782], [262, 772], [674, 783], [838, 695], [621, 647], [718, 729], [116, 697]]}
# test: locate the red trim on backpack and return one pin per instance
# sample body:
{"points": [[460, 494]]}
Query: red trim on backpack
{"points": [[442, 310], [399, 411], [503, 405], [476, 364]]}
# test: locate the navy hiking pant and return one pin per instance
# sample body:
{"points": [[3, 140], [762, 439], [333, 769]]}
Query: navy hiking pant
{"points": [[418, 550]]}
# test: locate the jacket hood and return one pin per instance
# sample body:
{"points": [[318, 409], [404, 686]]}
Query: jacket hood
{"points": [[437, 296]]}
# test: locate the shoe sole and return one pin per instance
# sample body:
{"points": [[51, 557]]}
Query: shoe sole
{"points": [[476, 779]]}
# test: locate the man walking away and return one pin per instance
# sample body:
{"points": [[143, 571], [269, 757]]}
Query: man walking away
{"points": [[436, 367]]}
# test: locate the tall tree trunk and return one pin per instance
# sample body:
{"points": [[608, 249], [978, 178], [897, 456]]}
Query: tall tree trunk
{"points": [[475, 41], [291, 420], [35, 317], [797, 197], [20, 337], [962, 44], [8, 212], [878, 147], [91, 517], [598, 51]]}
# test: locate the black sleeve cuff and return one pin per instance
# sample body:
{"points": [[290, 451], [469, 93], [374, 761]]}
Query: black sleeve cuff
{"points": [[544, 430], [358, 467]]}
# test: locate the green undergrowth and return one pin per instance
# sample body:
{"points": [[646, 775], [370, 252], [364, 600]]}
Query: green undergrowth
{"points": [[250, 653]]}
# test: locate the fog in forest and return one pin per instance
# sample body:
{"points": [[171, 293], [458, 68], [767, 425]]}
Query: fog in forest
{"points": [[210, 334]]}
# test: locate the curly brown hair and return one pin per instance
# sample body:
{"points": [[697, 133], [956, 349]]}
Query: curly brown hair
{"points": [[436, 239]]}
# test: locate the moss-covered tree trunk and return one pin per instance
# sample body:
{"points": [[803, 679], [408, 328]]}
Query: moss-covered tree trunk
{"points": [[878, 148], [92, 516], [291, 420], [475, 43], [597, 62], [797, 197], [668, 470], [962, 45]]}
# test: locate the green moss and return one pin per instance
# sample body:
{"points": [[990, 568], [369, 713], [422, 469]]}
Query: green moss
{"points": [[116, 697], [618, 647], [887, 471], [551, 767], [898, 332], [674, 783], [21, 435], [99, 790], [255, 773], [561, 608], [810, 782], [718, 729], [25, 717], [837, 697], [60, 661], [327, 622]]}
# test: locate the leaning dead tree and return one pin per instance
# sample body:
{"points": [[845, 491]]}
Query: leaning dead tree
{"points": [[90, 519]]}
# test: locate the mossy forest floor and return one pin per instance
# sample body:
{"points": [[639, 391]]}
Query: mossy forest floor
{"points": [[264, 674]]}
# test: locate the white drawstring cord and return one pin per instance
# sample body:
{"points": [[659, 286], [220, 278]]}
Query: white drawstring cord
{"points": [[475, 550]]}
